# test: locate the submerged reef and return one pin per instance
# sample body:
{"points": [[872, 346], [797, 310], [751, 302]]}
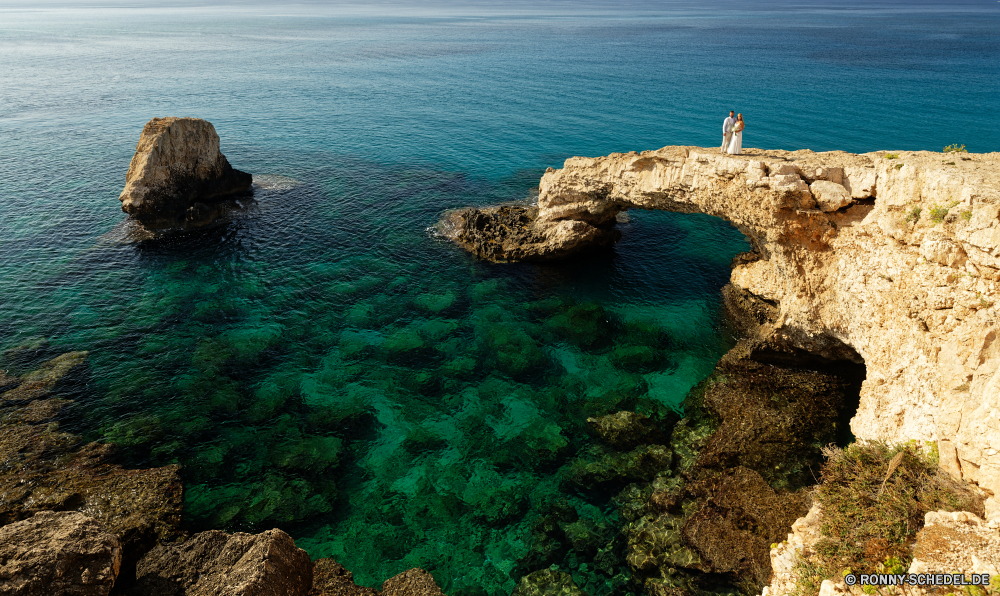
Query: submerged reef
{"points": [[178, 177]]}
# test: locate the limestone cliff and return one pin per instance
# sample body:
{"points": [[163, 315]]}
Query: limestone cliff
{"points": [[178, 175], [889, 258]]}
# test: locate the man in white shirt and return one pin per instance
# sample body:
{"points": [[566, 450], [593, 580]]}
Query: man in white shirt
{"points": [[727, 130]]}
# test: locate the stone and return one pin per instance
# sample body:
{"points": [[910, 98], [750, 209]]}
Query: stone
{"points": [[58, 554], [955, 542], [547, 582], [42, 381], [178, 176], [733, 528], [214, 563], [905, 278], [507, 233], [413, 582], [46, 469], [626, 430], [830, 196], [640, 464], [330, 578]]}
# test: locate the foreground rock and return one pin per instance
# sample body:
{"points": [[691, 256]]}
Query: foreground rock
{"points": [[214, 563], [58, 554], [330, 578], [903, 275], [178, 176], [45, 469]]}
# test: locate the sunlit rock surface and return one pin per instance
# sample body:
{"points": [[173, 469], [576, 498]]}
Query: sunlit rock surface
{"points": [[178, 176]]}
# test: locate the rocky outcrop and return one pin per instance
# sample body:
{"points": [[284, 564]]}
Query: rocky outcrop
{"points": [[903, 275], [512, 233], [957, 542], [330, 578], [178, 176], [58, 554], [214, 563], [46, 469]]}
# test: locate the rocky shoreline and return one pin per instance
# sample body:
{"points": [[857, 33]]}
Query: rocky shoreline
{"points": [[74, 522]]}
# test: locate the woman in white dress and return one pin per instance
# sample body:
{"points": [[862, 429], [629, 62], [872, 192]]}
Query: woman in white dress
{"points": [[736, 144]]}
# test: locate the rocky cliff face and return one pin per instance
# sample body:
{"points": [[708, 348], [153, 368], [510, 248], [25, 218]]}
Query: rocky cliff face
{"points": [[178, 176], [889, 258]]}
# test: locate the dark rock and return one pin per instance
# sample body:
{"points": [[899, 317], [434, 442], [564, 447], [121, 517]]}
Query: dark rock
{"points": [[330, 578], [178, 176], [738, 520], [626, 430], [547, 582], [509, 233], [772, 419], [640, 464], [58, 554], [214, 563]]}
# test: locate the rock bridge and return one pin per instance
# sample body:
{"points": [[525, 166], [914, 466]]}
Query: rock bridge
{"points": [[890, 257]]}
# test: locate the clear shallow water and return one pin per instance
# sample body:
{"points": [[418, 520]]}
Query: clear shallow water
{"points": [[324, 364]]}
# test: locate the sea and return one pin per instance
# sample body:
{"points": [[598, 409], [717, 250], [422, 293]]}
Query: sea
{"points": [[327, 364]]}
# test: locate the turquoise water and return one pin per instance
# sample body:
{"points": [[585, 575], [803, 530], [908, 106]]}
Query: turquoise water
{"points": [[324, 363]]}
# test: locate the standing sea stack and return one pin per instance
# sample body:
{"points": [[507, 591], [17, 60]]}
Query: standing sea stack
{"points": [[178, 176]]}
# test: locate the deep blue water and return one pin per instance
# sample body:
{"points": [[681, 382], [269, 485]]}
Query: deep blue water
{"points": [[325, 364]]}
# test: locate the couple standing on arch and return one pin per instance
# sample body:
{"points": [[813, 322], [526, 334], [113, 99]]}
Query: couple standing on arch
{"points": [[732, 134]]}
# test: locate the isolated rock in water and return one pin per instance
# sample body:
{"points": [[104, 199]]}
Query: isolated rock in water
{"points": [[178, 176], [219, 564], [58, 554]]}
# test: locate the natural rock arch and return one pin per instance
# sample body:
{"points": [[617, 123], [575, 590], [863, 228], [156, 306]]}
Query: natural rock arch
{"points": [[892, 257]]}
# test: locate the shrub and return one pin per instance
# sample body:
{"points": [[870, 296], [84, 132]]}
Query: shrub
{"points": [[938, 214], [954, 149], [874, 497], [913, 215], [967, 214], [891, 155]]}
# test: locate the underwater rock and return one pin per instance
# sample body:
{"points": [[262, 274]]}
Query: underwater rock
{"points": [[45, 469], [547, 582], [626, 430], [58, 554], [640, 464], [219, 564], [42, 381], [178, 176], [586, 325], [508, 233]]}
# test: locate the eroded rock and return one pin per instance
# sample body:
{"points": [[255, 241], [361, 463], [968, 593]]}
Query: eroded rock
{"points": [[214, 563], [58, 554], [46, 469], [178, 176]]}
